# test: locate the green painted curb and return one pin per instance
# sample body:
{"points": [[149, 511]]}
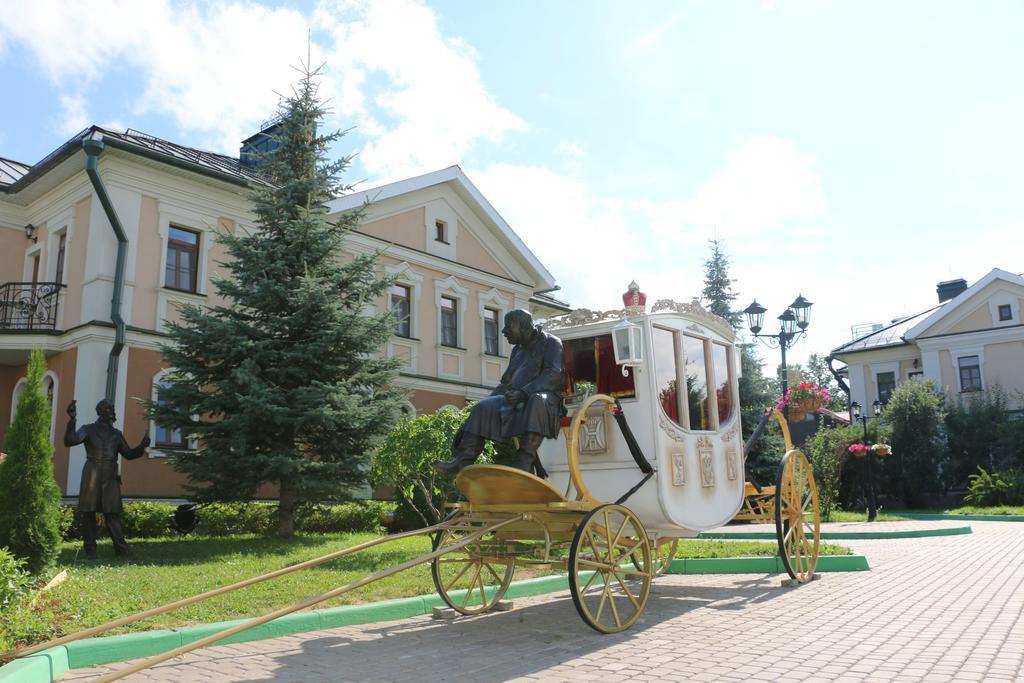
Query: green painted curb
{"points": [[921, 533], [764, 565], [50, 664], [967, 518]]}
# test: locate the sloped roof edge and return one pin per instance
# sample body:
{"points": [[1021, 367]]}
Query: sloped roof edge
{"points": [[951, 305], [454, 175]]}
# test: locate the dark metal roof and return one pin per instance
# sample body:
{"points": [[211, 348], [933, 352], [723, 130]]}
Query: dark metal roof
{"points": [[887, 336], [14, 175], [11, 170]]}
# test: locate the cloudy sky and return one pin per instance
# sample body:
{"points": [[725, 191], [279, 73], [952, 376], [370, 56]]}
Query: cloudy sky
{"points": [[857, 152]]}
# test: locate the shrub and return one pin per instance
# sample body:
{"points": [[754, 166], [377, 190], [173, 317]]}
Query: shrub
{"points": [[145, 519], [344, 518], [29, 496], [997, 488], [403, 463], [14, 580], [827, 452], [918, 440], [981, 433]]}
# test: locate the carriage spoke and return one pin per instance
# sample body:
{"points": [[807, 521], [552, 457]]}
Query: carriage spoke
{"points": [[459, 576], [615, 610], [629, 593], [472, 584]]}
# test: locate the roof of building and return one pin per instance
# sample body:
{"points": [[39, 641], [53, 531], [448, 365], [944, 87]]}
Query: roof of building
{"points": [[891, 335], [941, 312], [466, 189], [11, 170], [14, 175]]}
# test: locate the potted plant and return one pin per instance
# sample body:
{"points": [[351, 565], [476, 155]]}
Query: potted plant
{"points": [[859, 449], [882, 449], [805, 397]]}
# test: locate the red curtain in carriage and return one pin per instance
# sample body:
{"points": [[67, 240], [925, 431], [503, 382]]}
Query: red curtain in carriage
{"points": [[592, 359]]}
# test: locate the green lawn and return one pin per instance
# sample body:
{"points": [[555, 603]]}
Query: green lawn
{"points": [[844, 516], [163, 570], [997, 510]]}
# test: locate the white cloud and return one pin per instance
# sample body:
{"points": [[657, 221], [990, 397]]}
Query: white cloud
{"points": [[215, 69], [571, 150], [434, 107], [766, 184], [74, 115]]}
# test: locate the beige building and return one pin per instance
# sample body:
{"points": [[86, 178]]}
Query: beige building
{"points": [[460, 268], [972, 341]]}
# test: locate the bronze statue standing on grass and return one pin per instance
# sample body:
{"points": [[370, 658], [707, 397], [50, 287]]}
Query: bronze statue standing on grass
{"points": [[101, 485], [527, 403]]}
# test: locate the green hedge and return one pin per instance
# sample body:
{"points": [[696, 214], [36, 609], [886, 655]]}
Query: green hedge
{"points": [[152, 520]]}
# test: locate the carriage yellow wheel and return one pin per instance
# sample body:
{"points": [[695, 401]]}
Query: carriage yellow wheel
{"points": [[610, 568], [473, 579], [797, 522]]}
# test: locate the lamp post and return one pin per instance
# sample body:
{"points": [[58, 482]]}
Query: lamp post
{"points": [[793, 324], [856, 416]]}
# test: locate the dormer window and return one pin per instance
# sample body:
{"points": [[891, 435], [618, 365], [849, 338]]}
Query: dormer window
{"points": [[441, 231], [1005, 312]]}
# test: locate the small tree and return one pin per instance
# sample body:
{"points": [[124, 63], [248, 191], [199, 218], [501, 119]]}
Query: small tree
{"points": [[918, 441], [980, 433], [285, 382], [403, 463], [29, 496], [826, 450], [717, 292]]}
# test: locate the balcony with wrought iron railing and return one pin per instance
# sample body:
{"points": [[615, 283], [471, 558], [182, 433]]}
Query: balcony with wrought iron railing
{"points": [[29, 306]]}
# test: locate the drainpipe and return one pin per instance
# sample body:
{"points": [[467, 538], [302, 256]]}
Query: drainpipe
{"points": [[839, 378], [92, 149]]}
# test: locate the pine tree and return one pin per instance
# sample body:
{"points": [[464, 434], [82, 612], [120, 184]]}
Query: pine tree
{"points": [[284, 384], [717, 292], [29, 496]]}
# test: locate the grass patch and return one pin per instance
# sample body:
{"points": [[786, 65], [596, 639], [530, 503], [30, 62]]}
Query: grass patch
{"points": [[163, 570], [994, 510], [844, 516], [724, 548]]}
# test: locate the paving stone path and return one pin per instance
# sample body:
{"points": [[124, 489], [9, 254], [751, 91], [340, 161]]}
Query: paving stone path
{"points": [[931, 609]]}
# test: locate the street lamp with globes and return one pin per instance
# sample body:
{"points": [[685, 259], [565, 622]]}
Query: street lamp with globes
{"points": [[856, 416], [793, 324]]}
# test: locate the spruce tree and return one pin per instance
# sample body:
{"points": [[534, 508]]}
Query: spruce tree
{"points": [[285, 383], [717, 292], [29, 496]]}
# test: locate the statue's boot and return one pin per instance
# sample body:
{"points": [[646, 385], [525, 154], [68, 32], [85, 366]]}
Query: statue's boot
{"points": [[465, 451], [527, 459]]}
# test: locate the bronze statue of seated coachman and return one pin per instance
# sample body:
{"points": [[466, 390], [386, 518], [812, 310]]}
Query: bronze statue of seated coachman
{"points": [[526, 404]]}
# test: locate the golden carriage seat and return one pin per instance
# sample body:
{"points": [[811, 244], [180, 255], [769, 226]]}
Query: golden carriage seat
{"points": [[500, 485]]}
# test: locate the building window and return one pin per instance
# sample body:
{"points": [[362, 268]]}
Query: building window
{"points": [[1005, 312], [491, 331], [441, 231], [449, 321], [61, 248], [401, 298], [886, 385], [970, 373], [916, 374], [167, 437], [182, 260]]}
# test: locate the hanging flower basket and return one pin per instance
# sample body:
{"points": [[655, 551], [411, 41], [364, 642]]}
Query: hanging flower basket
{"points": [[882, 449], [859, 450], [805, 397]]}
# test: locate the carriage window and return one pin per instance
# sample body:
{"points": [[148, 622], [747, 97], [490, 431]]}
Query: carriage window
{"points": [[723, 381], [592, 359], [696, 384], [665, 354]]}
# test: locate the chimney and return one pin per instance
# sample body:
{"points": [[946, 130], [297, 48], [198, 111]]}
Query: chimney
{"points": [[950, 289]]}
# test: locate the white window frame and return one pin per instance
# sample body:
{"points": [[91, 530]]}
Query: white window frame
{"points": [[1003, 298], [406, 276], [154, 452], [877, 369], [492, 299], [56, 400], [955, 356], [19, 387], [453, 289]]}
